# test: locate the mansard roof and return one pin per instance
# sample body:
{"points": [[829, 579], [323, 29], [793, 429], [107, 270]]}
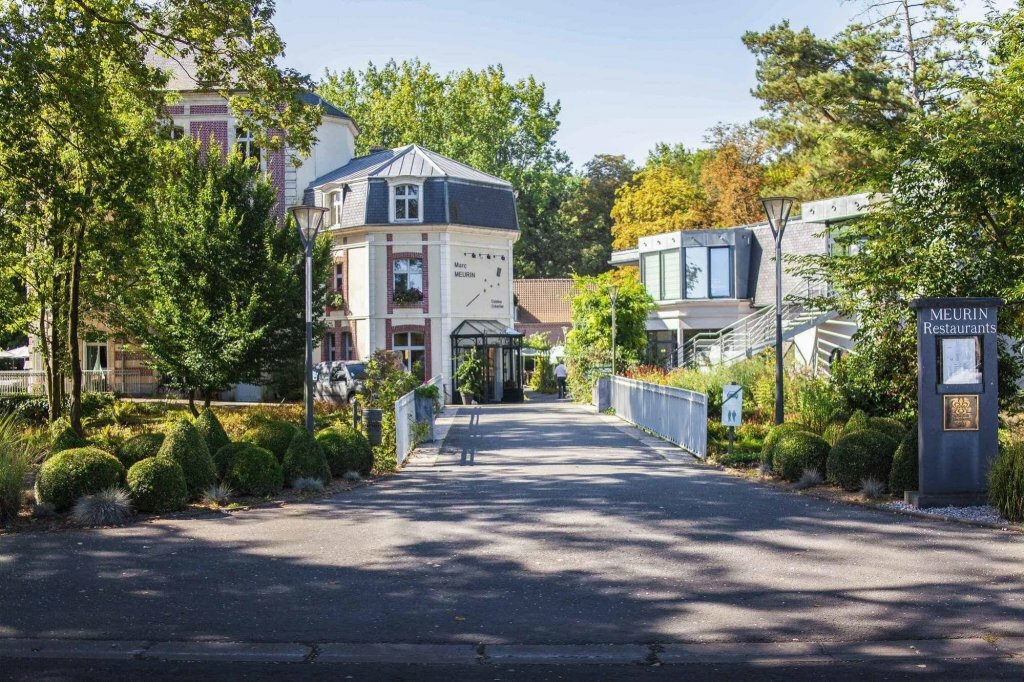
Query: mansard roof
{"points": [[409, 161]]}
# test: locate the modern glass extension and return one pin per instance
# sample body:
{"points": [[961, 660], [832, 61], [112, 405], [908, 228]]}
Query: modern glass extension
{"points": [[501, 351]]}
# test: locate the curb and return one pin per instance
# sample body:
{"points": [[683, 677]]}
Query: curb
{"points": [[653, 654]]}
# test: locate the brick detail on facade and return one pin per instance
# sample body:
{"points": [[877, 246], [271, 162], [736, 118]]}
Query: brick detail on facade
{"points": [[423, 305], [175, 110], [207, 132], [276, 162], [390, 329], [343, 262], [207, 109]]}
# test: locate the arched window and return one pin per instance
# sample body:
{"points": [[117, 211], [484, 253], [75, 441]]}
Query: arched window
{"points": [[337, 202], [406, 203]]}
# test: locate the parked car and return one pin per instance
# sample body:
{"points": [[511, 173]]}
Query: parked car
{"points": [[338, 382]]}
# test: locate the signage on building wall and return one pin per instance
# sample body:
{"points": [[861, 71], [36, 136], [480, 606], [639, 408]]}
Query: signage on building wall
{"points": [[959, 321], [481, 282]]}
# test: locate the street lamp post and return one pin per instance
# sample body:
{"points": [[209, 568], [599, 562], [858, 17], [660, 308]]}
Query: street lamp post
{"points": [[613, 294], [777, 210], [308, 219]]}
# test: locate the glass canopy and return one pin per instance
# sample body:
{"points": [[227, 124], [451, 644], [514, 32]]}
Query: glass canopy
{"points": [[500, 348]]}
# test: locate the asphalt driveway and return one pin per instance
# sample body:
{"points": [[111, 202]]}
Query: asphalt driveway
{"points": [[539, 523]]}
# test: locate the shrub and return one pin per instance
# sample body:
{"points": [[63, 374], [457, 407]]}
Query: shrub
{"points": [[255, 471], [305, 459], [71, 474], [66, 438], [157, 484], [889, 427], [1006, 482], [797, 451], [15, 462], [346, 450], [185, 446], [860, 455], [833, 432], [224, 457], [140, 447], [110, 507], [211, 431], [27, 408], [275, 436], [773, 437], [903, 476], [858, 421]]}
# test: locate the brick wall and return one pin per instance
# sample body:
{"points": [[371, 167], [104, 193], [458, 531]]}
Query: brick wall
{"points": [[211, 132], [275, 163]]}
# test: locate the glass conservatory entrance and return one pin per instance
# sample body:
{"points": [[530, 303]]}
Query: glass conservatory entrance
{"points": [[500, 350]]}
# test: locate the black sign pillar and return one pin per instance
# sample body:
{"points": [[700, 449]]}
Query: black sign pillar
{"points": [[958, 399]]}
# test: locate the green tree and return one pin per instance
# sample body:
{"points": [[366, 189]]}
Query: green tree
{"points": [[587, 214], [81, 106], [219, 296], [588, 346], [479, 118]]}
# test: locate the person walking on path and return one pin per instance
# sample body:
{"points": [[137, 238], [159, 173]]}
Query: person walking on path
{"points": [[560, 375]]}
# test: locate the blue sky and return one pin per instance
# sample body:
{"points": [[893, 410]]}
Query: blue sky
{"points": [[628, 74]]}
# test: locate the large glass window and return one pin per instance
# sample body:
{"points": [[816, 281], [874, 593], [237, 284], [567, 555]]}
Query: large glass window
{"points": [[346, 346], [662, 275], [408, 280], [407, 203], [708, 272], [95, 357], [410, 346]]}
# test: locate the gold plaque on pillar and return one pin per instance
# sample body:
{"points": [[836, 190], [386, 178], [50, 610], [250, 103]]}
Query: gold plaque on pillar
{"points": [[959, 413]]}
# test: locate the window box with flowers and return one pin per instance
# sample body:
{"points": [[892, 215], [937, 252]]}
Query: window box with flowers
{"points": [[407, 297], [336, 300], [407, 281]]}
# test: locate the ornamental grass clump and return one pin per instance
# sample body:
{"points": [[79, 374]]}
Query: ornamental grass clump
{"points": [[186, 446], [798, 451], [275, 436], [346, 450], [904, 474], [871, 488], [305, 459], [72, 474], [15, 463], [255, 471], [217, 494], [140, 447], [308, 484], [211, 430], [860, 455], [110, 507], [811, 478], [157, 485], [1006, 482]]}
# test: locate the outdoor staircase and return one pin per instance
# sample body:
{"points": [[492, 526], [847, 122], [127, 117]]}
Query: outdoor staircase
{"points": [[751, 334]]}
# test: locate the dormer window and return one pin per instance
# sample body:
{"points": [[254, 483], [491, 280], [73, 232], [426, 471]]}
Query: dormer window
{"points": [[337, 202], [245, 144], [405, 203]]}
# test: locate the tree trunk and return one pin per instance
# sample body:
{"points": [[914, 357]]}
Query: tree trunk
{"points": [[74, 300], [55, 377], [207, 398], [192, 402]]}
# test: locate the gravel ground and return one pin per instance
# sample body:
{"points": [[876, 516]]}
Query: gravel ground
{"points": [[983, 513]]}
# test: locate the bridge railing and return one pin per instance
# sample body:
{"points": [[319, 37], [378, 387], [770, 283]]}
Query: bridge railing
{"points": [[405, 419], [675, 414]]}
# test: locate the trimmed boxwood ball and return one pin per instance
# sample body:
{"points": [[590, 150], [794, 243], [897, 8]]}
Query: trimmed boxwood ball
{"points": [[185, 446], [1006, 482], [860, 455], [71, 474], [140, 447], [777, 432], [275, 436], [210, 429], [888, 426], [66, 438], [903, 476], [305, 459], [255, 471], [157, 484], [223, 458], [346, 450], [797, 451], [858, 421]]}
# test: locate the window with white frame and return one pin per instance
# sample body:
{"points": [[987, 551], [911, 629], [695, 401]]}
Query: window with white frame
{"points": [[407, 280], [412, 349], [96, 357], [405, 203], [329, 348], [172, 132], [337, 202], [346, 346], [339, 277], [245, 144]]}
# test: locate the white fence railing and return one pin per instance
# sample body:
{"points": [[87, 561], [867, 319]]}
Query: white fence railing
{"points": [[133, 382], [675, 414], [405, 419]]}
